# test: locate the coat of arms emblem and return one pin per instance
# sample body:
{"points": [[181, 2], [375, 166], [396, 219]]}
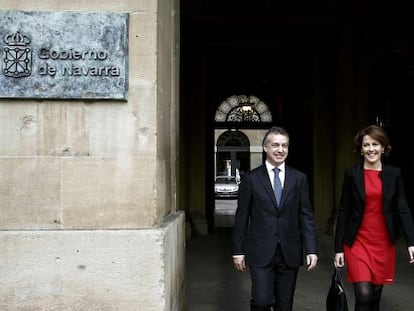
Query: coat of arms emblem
{"points": [[17, 55]]}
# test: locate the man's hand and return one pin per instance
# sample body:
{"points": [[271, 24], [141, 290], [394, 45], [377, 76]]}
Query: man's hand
{"points": [[311, 261], [411, 254], [239, 263]]}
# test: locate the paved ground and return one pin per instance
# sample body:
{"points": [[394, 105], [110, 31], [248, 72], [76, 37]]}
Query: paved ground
{"points": [[212, 283], [224, 211]]}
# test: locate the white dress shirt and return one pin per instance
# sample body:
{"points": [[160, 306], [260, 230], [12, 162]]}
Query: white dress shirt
{"points": [[282, 173]]}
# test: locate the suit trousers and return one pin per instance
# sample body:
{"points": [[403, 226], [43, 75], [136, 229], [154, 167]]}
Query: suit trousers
{"points": [[273, 285]]}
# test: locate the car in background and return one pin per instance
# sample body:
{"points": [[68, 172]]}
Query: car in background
{"points": [[226, 186]]}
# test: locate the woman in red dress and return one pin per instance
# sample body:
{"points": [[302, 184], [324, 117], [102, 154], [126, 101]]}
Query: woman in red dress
{"points": [[372, 210]]}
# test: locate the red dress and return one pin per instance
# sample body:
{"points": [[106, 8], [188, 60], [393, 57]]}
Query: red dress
{"points": [[372, 256]]}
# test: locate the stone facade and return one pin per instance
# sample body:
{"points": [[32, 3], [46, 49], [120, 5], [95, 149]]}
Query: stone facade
{"points": [[88, 213]]}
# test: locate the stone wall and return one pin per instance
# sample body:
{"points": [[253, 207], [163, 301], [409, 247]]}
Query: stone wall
{"points": [[88, 215]]}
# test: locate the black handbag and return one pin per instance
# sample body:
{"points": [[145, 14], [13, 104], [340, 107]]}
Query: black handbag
{"points": [[336, 298]]}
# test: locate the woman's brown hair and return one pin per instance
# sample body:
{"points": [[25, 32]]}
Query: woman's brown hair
{"points": [[375, 132]]}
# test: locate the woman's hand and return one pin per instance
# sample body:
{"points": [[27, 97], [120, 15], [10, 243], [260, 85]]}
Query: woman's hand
{"points": [[339, 260]]}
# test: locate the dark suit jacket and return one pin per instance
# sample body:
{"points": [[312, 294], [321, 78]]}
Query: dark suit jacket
{"points": [[260, 225], [352, 205]]}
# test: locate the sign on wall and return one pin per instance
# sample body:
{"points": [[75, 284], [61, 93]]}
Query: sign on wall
{"points": [[64, 55]]}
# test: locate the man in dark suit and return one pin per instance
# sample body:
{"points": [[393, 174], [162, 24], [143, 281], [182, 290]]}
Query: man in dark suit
{"points": [[274, 226]]}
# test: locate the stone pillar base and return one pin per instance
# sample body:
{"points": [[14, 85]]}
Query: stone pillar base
{"points": [[94, 270]]}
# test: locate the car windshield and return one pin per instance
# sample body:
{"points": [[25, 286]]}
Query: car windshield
{"points": [[226, 180]]}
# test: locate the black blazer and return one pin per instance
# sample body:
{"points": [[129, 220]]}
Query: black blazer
{"points": [[352, 205], [260, 225]]}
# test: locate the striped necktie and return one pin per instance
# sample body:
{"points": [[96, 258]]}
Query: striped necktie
{"points": [[277, 185]]}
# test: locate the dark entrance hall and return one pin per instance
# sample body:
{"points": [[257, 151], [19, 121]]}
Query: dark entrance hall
{"points": [[325, 69]]}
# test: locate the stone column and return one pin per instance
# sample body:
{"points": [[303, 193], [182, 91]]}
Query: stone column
{"points": [[88, 209]]}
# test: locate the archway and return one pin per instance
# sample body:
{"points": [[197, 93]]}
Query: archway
{"points": [[240, 122], [242, 108], [232, 154]]}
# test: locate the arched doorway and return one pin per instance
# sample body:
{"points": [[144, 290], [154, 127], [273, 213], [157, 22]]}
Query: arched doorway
{"points": [[240, 122], [232, 154], [241, 109]]}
